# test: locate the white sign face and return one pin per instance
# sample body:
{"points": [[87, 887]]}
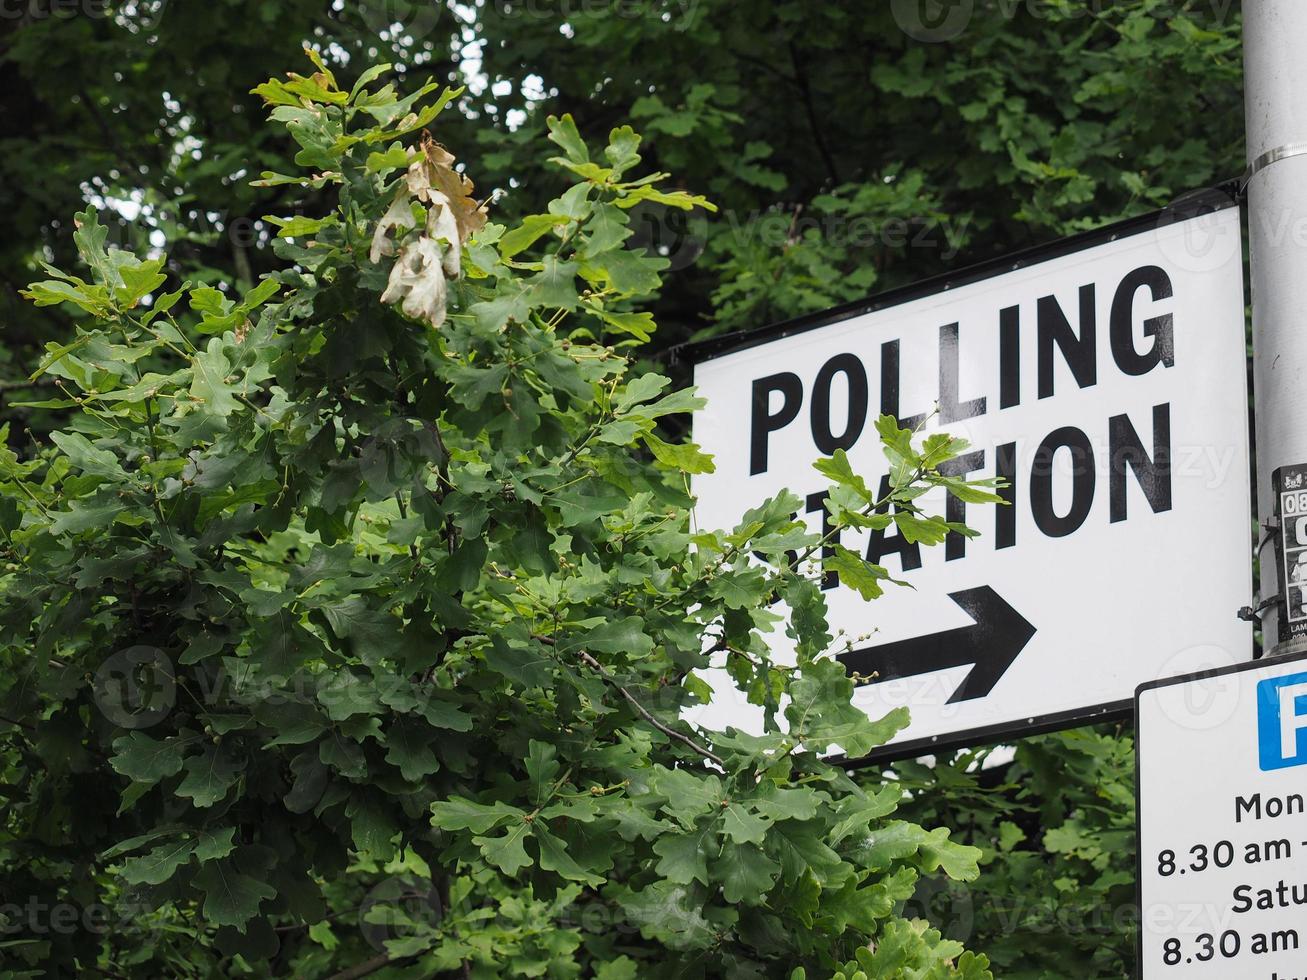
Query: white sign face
{"points": [[1108, 387], [1223, 824]]}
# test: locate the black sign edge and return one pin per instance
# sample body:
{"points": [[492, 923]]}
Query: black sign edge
{"points": [[1200, 675], [1219, 197], [991, 734]]}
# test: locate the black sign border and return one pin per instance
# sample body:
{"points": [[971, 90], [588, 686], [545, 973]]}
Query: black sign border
{"points": [[1200, 675], [1209, 200], [988, 735]]}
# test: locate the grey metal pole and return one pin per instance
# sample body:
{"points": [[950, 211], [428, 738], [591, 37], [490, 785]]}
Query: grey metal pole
{"points": [[1275, 71]]}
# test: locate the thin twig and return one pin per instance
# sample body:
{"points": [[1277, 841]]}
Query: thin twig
{"points": [[591, 662], [644, 713], [19, 723], [801, 76], [379, 962], [28, 383]]}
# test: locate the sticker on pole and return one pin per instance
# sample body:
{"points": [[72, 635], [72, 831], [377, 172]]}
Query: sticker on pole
{"points": [[1222, 774], [1103, 379], [1291, 507]]}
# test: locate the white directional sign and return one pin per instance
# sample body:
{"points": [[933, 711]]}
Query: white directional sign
{"points": [[1223, 824], [1105, 382]]}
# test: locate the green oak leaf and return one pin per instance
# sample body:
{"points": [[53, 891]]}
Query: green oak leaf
{"points": [[554, 856], [684, 857], [230, 897], [158, 864], [145, 759], [504, 850], [209, 776], [747, 873]]}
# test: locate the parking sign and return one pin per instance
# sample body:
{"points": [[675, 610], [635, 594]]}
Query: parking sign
{"points": [[1222, 782]]}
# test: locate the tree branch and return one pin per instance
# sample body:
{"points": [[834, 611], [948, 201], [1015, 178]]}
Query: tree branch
{"points": [[802, 77], [764, 65], [643, 712], [370, 966], [125, 160], [29, 383]]}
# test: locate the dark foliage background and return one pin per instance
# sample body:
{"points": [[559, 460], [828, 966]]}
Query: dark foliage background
{"points": [[849, 147]]}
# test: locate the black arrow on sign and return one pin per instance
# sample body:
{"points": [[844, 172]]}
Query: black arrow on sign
{"points": [[992, 643]]}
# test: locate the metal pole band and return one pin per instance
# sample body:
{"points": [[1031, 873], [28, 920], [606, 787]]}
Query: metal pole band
{"points": [[1269, 157]]}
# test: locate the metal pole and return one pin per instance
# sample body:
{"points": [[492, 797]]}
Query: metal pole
{"points": [[1275, 73]]}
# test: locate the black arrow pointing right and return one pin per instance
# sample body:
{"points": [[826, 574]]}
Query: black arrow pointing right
{"points": [[992, 642]]}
